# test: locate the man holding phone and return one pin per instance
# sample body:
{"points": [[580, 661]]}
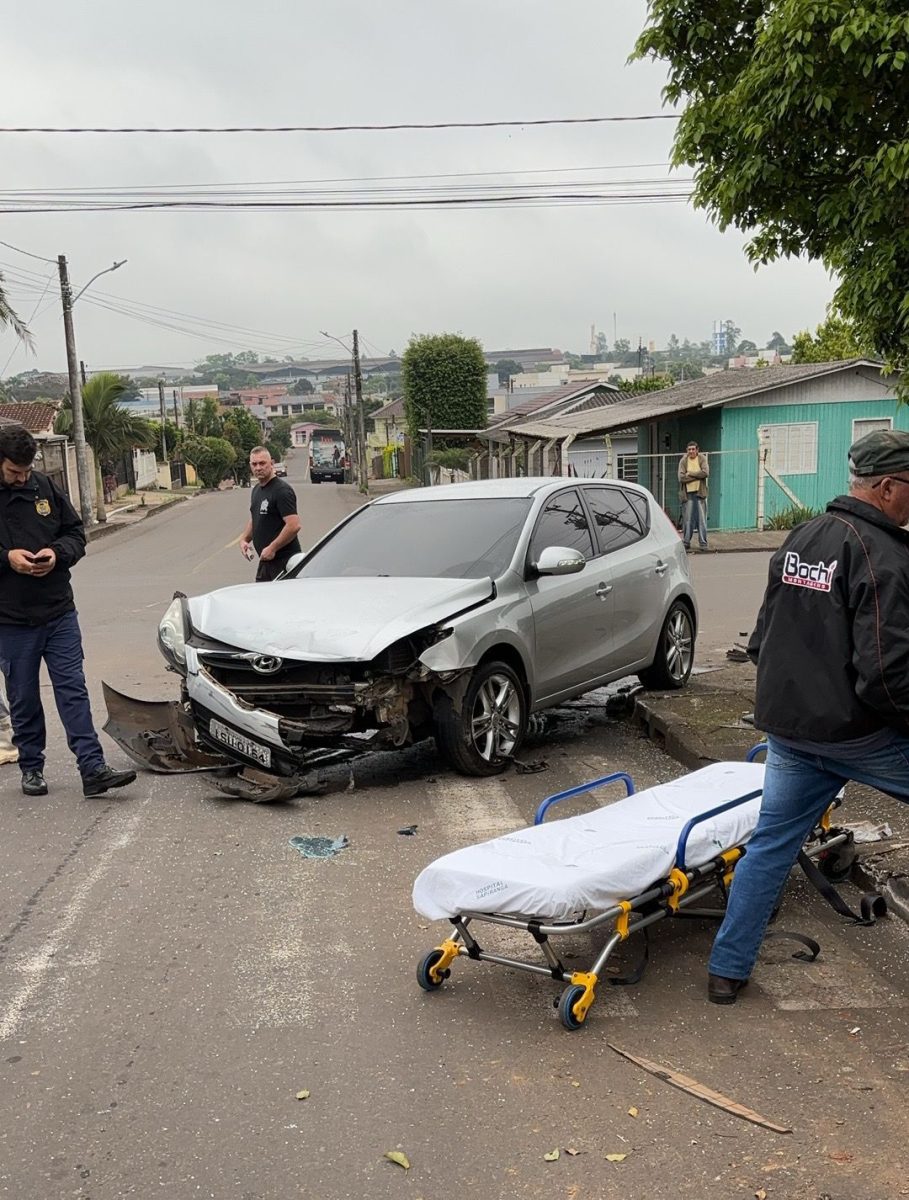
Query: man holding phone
{"points": [[41, 537]]}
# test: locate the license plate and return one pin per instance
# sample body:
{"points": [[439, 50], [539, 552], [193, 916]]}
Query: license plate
{"points": [[239, 742]]}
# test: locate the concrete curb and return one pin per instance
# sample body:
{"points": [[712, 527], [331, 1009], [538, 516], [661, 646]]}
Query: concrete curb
{"points": [[99, 531]]}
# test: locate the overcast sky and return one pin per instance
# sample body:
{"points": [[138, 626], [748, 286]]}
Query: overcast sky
{"points": [[511, 277]]}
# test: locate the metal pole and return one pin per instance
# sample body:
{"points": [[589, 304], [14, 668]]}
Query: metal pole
{"points": [[163, 404], [361, 423], [75, 392]]}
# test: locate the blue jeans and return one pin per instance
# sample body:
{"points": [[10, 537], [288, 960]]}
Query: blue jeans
{"points": [[59, 644], [798, 789], [695, 518]]}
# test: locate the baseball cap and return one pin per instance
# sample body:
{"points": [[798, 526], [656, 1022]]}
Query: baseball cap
{"points": [[883, 452]]}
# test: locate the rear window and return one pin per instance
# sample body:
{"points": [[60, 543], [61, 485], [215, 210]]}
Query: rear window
{"points": [[431, 539]]}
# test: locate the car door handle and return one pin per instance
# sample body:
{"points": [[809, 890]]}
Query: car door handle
{"points": [[661, 568], [604, 589]]}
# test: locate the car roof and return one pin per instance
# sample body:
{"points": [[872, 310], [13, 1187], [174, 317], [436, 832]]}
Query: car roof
{"points": [[525, 487]]}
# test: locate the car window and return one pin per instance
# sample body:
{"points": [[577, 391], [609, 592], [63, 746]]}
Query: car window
{"points": [[429, 539], [563, 522], [641, 507], [616, 518]]}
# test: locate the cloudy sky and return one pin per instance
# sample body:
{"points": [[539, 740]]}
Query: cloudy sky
{"points": [[212, 281]]}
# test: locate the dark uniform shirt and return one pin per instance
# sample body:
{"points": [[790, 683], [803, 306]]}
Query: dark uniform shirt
{"points": [[270, 504], [35, 517]]}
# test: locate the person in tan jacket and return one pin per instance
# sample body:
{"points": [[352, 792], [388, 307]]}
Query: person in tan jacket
{"points": [[693, 474]]}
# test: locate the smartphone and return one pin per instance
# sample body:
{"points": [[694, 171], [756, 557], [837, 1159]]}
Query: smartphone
{"points": [[41, 558]]}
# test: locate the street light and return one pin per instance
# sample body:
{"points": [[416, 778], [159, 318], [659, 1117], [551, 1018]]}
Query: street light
{"points": [[75, 390]]}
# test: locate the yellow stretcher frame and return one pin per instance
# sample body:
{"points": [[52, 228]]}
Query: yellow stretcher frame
{"points": [[680, 892]]}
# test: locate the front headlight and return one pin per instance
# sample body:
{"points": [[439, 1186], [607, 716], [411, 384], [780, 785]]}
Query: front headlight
{"points": [[172, 633]]}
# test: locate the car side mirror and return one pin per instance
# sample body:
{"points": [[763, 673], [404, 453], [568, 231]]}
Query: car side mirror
{"points": [[293, 564], [559, 560]]}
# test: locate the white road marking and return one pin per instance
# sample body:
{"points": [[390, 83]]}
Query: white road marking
{"points": [[37, 967]]}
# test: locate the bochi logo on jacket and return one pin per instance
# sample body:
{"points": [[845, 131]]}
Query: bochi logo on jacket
{"points": [[43, 508]]}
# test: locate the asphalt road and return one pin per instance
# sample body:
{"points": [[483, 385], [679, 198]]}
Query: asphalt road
{"points": [[173, 973]]}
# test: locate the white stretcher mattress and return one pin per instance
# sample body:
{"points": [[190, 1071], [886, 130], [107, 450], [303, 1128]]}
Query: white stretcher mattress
{"points": [[588, 863]]}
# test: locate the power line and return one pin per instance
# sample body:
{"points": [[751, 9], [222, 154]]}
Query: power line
{"points": [[377, 128], [28, 253]]}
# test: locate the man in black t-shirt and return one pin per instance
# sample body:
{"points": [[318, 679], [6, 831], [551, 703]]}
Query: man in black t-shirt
{"points": [[273, 523]]}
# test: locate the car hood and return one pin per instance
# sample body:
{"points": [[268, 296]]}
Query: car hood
{"points": [[328, 620]]}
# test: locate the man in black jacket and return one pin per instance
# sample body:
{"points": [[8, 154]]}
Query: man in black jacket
{"points": [[832, 651], [41, 537]]}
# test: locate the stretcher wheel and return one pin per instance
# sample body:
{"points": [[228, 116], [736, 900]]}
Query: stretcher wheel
{"points": [[424, 979], [567, 1001]]}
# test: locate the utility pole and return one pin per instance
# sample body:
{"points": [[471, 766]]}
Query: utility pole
{"points": [[163, 404], [75, 392], [82, 371], [361, 421], [349, 427]]}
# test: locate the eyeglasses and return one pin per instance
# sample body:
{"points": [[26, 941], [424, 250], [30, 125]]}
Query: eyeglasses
{"points": [[893, 479]]}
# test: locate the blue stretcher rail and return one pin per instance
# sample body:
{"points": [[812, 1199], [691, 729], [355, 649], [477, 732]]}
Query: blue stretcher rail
{"points": [[580, 789], [713, 812]]}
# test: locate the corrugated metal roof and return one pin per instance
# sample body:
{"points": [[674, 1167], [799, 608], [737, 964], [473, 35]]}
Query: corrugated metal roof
{"points": [[711, 392]]}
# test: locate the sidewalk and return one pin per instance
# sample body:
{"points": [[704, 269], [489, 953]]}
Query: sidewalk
{"points": [[703, 724], [130, 510], [725, 543]]}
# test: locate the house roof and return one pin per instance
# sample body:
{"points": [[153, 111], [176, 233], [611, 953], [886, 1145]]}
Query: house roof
{"points": [[568, 397], [37, 416], [710, 392], [394, 408]]}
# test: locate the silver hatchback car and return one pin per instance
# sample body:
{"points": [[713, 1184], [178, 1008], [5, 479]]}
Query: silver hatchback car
{"points": [[454, 612]]}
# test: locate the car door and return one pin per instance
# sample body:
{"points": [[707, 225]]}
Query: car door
{"points": [[572, 614], [639, 572]]}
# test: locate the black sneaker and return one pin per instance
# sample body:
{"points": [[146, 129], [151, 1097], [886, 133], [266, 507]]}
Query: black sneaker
{"points": [[104, 779], [33, 784]]}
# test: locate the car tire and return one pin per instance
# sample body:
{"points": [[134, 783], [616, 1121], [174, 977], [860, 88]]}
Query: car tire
{"points": [[674, 659], [483, 738]]}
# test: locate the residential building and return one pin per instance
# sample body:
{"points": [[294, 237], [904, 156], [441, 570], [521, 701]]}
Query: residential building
{"points": [[775, 438]]}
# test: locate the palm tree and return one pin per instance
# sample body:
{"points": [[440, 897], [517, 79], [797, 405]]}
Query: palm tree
{"points": [[110, 429], [9, 317]]}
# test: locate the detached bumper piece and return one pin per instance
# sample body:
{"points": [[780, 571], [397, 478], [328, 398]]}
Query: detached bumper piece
{"points": [[575, 866], [158, 734]]}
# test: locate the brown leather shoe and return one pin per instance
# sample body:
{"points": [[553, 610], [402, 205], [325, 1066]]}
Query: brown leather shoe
{"points": [[723, 991]]}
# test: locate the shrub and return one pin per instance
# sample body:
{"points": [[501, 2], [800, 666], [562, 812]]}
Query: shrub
{"points": [[790, 517]]}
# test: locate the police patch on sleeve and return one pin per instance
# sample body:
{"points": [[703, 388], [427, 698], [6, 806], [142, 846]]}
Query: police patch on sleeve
{"points": [[817, 576]]}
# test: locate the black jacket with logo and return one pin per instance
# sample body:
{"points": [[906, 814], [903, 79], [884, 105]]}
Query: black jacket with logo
{"points": [[33, 518], [832, 637]]}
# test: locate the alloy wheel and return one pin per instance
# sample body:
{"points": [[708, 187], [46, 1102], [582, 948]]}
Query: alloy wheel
{"points": [[679, 643], [496, 718]]}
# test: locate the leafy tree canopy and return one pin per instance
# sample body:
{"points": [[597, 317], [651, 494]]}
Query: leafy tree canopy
{"points": [[834, 339], [212, 457], [301, 387], [444, 381], [795, 119]]}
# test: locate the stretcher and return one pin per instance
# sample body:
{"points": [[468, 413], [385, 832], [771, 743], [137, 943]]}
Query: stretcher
{"points": [[617, 870]]}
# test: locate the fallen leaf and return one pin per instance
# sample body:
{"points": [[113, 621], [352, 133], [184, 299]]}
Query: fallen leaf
{"points": [[616, 1157], [571, 1150], [303, 1095], [760, 1194], [575, 1083], [841, 1157], [632, 1112], [399, 1157], [552, 1156]]}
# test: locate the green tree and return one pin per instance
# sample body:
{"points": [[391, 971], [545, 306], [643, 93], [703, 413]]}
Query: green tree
{"points": [[212, 457], [8, 317], [506, 367], [281, 437], [242, 430], [110, 429], [746, 347], [672, 346], [173, 435], [301, 387], [444, 380], [834, 339], [778, 342], [795, 117], [621, 347], [602, 346]]}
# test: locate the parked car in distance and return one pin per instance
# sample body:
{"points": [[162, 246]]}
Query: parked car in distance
{"points": [[453, 611], [280, 469]]}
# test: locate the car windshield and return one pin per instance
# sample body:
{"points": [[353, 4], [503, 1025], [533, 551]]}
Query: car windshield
{"points": [[433, 539]]}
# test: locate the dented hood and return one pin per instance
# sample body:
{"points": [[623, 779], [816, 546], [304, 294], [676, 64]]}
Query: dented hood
{"points": [[330, 620]]}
